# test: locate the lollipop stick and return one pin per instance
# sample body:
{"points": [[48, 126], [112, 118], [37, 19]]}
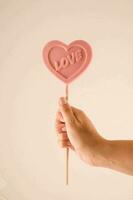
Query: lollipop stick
{"points": [[67, 150], [67, 165]]}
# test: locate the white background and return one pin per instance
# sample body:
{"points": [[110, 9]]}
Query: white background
{"points": [[31, 163]]}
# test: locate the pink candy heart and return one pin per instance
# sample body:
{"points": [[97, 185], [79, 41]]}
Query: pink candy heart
{"points": [[67, 62]]}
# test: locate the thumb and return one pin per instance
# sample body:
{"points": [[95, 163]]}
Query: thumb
{"points": [[66, 111]]}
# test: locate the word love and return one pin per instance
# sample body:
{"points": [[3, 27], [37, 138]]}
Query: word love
{"points": [[70, 59], [67, 62]]}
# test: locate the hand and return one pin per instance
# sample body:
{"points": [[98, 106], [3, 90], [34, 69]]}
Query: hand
{"points": [[76, 131]]}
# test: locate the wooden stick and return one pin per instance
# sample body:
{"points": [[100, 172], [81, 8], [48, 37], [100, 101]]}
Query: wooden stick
{"points": [[67, 165], [67, 150]]}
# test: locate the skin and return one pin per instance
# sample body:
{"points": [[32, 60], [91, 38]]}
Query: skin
{"points": [[76, 131]]}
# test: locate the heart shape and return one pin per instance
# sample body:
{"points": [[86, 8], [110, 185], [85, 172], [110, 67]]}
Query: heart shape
{"points": [[67, 62]]}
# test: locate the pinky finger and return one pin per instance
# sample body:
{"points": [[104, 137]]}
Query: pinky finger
{"points": [[62, 144]]}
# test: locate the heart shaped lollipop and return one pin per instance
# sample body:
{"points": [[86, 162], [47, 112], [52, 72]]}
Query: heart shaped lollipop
{"points": [[67, 62]]}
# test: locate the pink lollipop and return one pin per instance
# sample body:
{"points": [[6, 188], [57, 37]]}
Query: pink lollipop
{"points": [[67, 62]]}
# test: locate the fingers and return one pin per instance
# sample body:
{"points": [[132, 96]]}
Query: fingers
{"points": [[59, 123], [61, 130], [66, 111], [64, 144], [70, 114], [59, 116], [63, 140], [66, 119]]}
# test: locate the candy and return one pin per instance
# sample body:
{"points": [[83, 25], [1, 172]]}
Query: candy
{"points": [[67, 62]]}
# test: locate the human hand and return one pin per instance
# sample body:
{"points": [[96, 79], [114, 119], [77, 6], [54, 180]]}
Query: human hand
{"points": [[76, 131]]}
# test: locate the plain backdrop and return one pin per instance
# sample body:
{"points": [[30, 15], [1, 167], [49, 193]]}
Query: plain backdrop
{"points": [[31, 163]]}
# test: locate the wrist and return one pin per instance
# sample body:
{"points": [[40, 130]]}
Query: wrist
{"points": [[101, 153]]}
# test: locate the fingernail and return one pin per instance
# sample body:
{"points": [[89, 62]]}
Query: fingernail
{"points": [[62, 101]]}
